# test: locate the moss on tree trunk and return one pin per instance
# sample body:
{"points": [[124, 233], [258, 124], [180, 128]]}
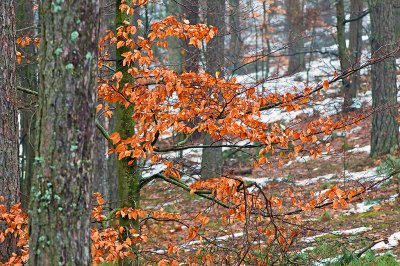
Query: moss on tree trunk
{"points": [[61, 192]]}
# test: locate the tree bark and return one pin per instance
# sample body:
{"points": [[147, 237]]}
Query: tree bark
{"points": [[385, 129], [191, 11], [128, 175], [9, 170], [61, 192], [104, 180], [236, 42], [27, 78], [355, 51], [397, 18], [343, 54], [101, 181], [212, 160], [175, 57], [397, 25], [295, 29]]}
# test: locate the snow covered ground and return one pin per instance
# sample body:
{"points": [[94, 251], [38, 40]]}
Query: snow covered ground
{"points": [[352, 231]]}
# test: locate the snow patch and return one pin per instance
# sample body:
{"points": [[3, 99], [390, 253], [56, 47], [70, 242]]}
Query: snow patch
{"points": [[361, 149], [392, 241], [353, 231]]}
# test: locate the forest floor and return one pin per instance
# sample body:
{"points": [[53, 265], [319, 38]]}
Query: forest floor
{"points": [[374, 216], [326, 232]]}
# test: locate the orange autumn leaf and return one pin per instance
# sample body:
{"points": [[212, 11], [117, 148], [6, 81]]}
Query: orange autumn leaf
{"points": [[115, 137], [325, 84]]}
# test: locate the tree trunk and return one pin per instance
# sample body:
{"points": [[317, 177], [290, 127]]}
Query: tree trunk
{"points": [[355, 50], [61, 192], [295, 29], [175, 57], [9, 172], [27, 78], [385, 129], [343, 54], [128, 175], [236, 42], [101, 182], [191, 11], [212, 161], [397, 25], [112, 170], [397, 18]]}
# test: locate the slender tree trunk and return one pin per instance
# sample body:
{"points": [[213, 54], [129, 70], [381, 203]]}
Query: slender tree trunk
{"points": [[9, 170], [128, 175], [101, 181], [191, 11], [236, 42], [212, 160], [385, 129], [397, 18], [269, 34], [343, 54], [264, 38], [27, 78], [397, 25], [112, 169], [255, 25], [191, 59], [295, 29], [355, 50], [175, 57], [61, 192]]}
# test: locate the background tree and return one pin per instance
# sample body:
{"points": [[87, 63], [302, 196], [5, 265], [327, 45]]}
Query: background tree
{"points": [[235, 33], [349, 56], [344, 56], [191, 11], [295, 31], [175, 51], [9, 170], [212, 159], [104, 170], [256, 212], [385, 128], [61, 192], [397, 17], [27, 28], [355, 48]]}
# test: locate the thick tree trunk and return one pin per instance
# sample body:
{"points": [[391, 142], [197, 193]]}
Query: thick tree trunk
{"points": [[212, 161], [295, 30], [9, 172], [385, 129], [61, 192]]}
